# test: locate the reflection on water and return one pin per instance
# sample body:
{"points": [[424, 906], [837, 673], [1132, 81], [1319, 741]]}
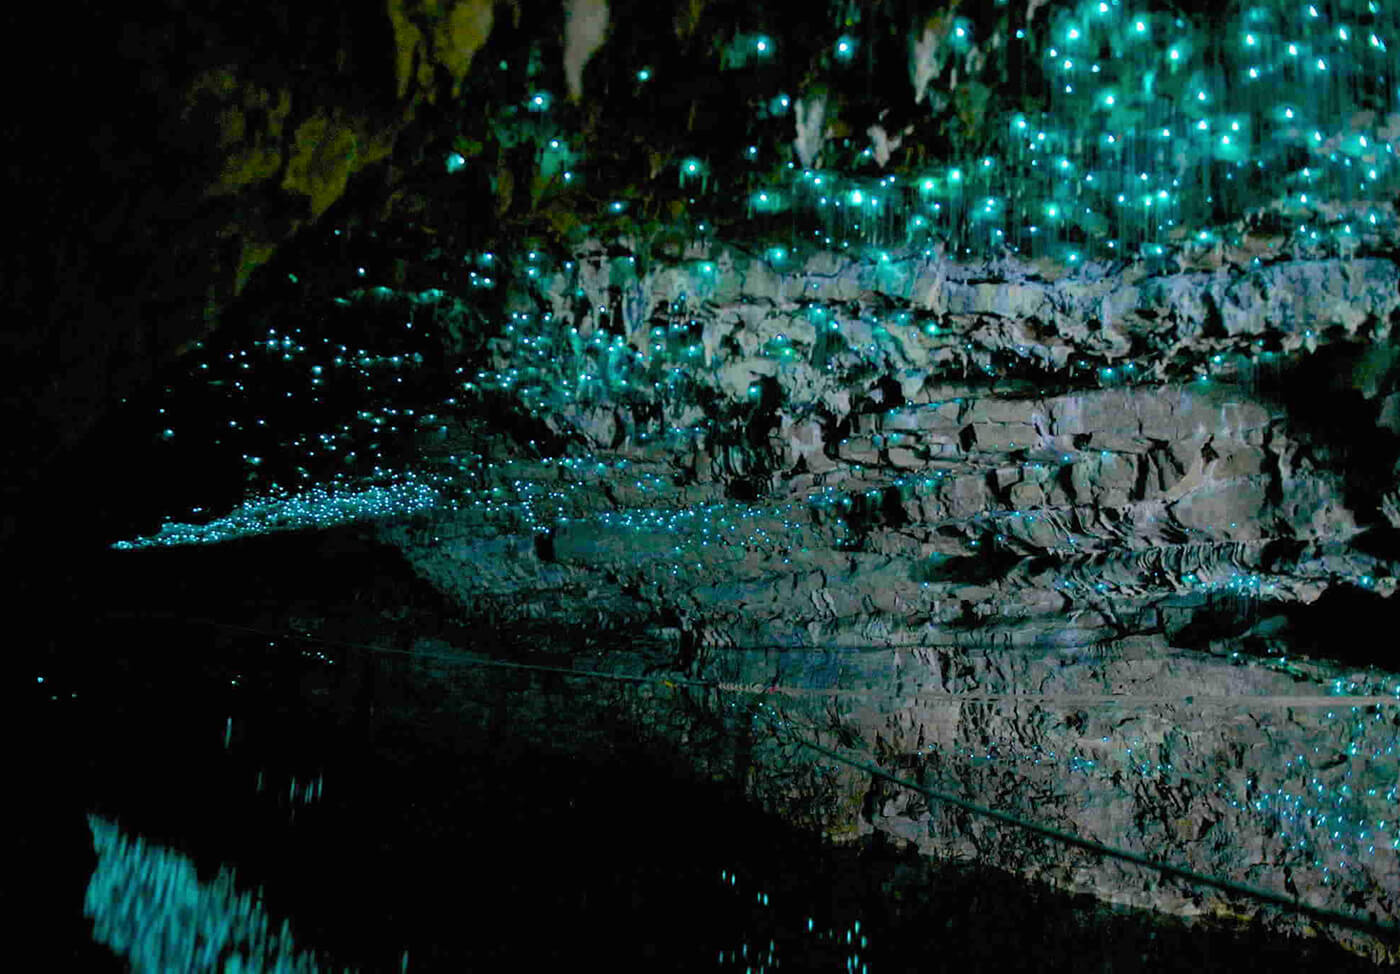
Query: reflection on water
{"points": [[148, 904], [347, 802]]}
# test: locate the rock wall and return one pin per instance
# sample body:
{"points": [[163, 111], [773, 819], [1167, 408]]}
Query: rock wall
{"points": [[972, 527]]}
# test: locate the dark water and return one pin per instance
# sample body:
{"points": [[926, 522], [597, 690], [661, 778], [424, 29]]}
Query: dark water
{"points": [[151, 705], [273, 778]]}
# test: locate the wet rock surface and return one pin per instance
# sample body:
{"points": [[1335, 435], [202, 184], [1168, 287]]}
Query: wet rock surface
{"points": [[1082, 603]]}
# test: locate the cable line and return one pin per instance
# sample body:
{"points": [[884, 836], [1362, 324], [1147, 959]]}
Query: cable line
{"points": [[761, 693]]}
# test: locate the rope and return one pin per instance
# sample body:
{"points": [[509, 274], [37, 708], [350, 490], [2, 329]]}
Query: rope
{"points": [[1293, 904]]}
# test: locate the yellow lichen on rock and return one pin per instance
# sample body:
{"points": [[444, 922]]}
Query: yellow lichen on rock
{"points": [[248, 127], [254, 254], [458, 36], [219, 83], [247, 165], [232, 126], [430, 33], [407, 40], [326, 151], [323, 153], [688, 14]]}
